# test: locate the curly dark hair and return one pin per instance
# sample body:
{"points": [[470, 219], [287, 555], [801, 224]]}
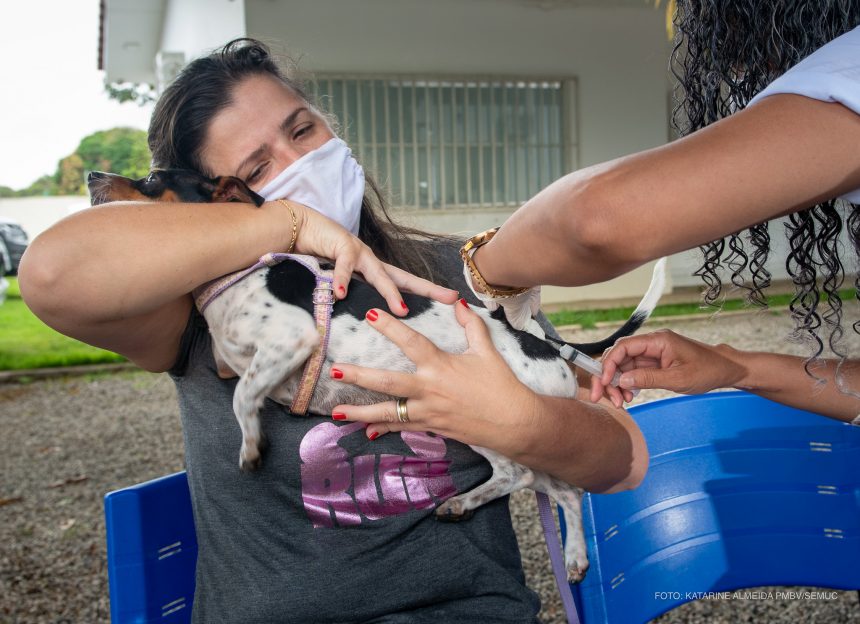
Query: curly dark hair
{"points": [[204, 87], [725, 52]]}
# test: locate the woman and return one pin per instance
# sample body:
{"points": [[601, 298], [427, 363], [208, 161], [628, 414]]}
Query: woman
{"points": [[792, 152], [335, 526]]}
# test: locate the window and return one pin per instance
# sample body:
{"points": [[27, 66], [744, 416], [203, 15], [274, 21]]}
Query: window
{"points": [[453, 143]]}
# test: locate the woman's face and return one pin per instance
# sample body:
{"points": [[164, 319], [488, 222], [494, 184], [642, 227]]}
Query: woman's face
{"points": [[264, 130]]}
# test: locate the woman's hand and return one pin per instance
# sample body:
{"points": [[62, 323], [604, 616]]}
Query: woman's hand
{"points": [[476, 398], [436, 391], [664, 359], [320, 236]]}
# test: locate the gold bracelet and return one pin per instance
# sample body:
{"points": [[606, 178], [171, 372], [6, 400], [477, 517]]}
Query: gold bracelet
{"points": [[295, 225], [466, 252]]}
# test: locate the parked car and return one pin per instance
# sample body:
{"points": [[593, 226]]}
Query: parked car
{"points": [[13, 242], [4, 286]]}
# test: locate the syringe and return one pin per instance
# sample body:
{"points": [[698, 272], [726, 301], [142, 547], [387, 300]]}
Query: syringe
{"points": [[588, 364]]}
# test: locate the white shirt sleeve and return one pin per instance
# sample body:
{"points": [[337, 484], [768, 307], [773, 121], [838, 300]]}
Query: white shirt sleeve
{"points": [[830, 74]]}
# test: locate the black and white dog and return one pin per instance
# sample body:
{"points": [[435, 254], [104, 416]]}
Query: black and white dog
{"points": [[263, 328]]}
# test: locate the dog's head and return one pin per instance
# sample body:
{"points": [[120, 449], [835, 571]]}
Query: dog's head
{"points": [[169, 185]]}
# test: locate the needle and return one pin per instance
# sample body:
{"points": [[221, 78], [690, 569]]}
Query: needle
{"points": [[588, 364]]}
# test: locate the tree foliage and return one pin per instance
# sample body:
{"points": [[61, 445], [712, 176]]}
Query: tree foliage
{"points": [[46, 185], [139, 93], [70, 175], [118, 150]]}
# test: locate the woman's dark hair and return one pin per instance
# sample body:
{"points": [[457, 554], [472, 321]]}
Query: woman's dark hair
{"points": [[183, 113], [725, 52]]}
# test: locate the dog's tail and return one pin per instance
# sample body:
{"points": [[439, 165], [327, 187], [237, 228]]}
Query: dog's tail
{"points": [[639, 316]]}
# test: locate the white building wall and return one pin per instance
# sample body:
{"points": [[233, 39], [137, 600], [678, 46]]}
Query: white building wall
{"points": [[618, 57], [37, 214], [130, 40], [193, 27], [685, 263], [615, 51]]}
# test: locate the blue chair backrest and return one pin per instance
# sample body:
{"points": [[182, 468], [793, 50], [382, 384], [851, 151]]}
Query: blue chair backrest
{"points": [[741, 492], [151, 552]]}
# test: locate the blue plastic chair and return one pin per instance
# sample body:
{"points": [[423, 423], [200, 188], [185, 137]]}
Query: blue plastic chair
{"points": [[741, 492], [151, 552]]}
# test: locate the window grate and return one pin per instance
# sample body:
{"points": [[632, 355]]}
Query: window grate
{"points": [[454, 143]]}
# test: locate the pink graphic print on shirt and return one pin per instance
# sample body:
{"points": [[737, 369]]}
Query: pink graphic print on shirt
{"points": [[343, 489]]}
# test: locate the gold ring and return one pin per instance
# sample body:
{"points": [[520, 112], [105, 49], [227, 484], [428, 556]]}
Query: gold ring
{"points": [[402, 415]]}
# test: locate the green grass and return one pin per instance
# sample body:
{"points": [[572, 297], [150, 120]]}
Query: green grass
{"points": [[26, 342], [14, 291], [588, 318]]}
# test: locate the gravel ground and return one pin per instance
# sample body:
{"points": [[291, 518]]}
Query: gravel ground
{"points": [[65, 442]]}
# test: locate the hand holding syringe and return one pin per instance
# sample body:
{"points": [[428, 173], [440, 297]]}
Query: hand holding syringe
{"points": [[586, 363]]}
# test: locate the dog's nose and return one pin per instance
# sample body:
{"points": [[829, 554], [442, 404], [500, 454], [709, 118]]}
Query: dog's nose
{"points": [[95, 175]]}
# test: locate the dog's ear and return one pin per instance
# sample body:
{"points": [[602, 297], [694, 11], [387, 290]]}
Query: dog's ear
{"points": [[232, 189]]}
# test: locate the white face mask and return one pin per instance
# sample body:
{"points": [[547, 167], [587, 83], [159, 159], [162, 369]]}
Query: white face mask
{"points": [[328, 179]]}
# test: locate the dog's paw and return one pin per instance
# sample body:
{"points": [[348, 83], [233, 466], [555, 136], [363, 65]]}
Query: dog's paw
{"points": [[250, 464], [576, 571], [452, 511], [251, 455], [250, 459]]}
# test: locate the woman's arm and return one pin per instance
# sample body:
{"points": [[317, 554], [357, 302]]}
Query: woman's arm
{"points": [[475, 398], [776, 157], [118, 275], [782, 378], [600, 450], [664, 359]]}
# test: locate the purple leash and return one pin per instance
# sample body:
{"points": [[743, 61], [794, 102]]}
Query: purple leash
{"points": [[556, 557]]}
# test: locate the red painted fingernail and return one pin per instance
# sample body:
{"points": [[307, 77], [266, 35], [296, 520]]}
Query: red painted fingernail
{"points": [[372, 315], [338, 416], [341, 289], [374, 435], [336, 373], [403, 305], [463, 301]]}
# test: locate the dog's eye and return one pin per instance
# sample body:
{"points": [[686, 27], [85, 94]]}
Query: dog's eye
{"points": [[150, 178]]}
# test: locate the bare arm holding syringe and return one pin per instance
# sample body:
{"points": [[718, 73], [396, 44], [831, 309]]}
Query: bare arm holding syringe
{"points": [[664, 359]]}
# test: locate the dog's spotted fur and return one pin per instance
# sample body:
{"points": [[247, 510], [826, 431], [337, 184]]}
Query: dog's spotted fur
{"points": [[262, 328]]}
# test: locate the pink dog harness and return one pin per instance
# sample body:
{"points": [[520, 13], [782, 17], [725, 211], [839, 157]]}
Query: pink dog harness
{"points": [[323, 300]]}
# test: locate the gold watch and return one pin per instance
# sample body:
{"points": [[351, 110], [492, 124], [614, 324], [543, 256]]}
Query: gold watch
{"points": [[466, 251]]}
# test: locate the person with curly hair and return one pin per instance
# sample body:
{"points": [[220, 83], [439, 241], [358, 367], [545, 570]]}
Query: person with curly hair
{"points": [[769, 111]]}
